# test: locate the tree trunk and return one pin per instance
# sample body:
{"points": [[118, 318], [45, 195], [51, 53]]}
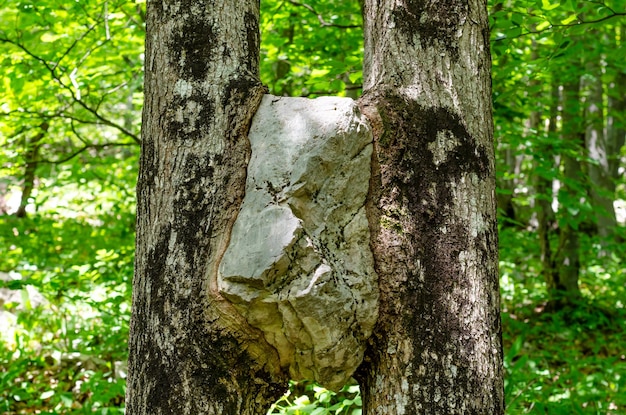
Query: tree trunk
{"points": [[616, 120], [563, 285], [437, 346], [31, 162], [601, 186], [506, 185], [546, 219], [189, 351]]}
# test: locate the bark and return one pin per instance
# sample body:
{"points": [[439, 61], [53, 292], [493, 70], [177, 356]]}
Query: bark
{"points": [[190, 352], [437, 346], [602, 188], [31, 162], [616, 122], [563, 285], [546, 219]]}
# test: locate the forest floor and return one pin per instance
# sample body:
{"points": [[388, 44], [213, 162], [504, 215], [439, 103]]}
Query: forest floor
{"points": [[65, 310]]}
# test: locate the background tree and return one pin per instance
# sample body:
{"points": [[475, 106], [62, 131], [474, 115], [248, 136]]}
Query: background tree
{"points": [[560, 95]]}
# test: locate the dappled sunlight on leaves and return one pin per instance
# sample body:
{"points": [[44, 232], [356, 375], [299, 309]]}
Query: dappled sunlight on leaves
{"points": [[570, 361]]}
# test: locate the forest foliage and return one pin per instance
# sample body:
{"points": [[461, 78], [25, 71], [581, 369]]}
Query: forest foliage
{"points": [[70, 119]]}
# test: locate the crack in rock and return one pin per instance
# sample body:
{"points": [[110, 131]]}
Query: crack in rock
{"points": [[299, 266]]}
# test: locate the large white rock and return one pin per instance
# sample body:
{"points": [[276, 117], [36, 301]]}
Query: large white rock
{"points": [[299, 266]]}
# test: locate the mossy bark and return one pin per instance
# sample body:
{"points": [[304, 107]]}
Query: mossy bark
{"points": [[190, 352], [436, 348]]}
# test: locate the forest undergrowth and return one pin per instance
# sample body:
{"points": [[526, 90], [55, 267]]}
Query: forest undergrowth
{"points": [[66, 306]]}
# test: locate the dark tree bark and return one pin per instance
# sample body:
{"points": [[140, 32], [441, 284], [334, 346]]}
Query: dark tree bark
{"points": [[546, 218], [437, 346], [563, 284], [190, 353]]}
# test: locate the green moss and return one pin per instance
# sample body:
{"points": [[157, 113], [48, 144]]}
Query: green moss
{"points": [[387, 222]]}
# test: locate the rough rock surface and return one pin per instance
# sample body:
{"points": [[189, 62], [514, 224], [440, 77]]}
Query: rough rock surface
{"points": [[299, 266]]}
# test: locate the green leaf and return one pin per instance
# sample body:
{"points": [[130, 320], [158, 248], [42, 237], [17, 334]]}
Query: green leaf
{"points": [[51, 37], [547, 6], [542, 26], [570, 19], [355, 77]]}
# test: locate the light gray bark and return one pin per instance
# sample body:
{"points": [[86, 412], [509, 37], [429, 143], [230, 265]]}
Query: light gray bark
{"points": [[190, 351], [601, 186], [616, 120], [437, 346]]}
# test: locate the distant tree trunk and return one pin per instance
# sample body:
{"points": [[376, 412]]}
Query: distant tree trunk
{"points": [[601, 186], [506, 186], [437, 346], [190, 353], [546, 221], [4, 206], [31, 162], [563, 285], [616, 121]]}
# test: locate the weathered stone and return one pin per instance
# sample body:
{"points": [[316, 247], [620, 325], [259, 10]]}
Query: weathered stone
{"points": [[299, 266]]}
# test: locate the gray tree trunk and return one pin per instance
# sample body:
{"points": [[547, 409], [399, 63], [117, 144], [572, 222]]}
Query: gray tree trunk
{"points": [[437, 346], [32, 148], [190, 352], [601, 186], [616, 121], [563, 284], [546, 218]]}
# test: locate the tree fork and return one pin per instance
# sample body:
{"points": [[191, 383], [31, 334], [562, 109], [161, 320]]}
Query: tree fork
{"points": [[431, 211]]}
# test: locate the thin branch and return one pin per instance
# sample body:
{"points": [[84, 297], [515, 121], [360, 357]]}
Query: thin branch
{"points": [[77, 100], [83, 149], [141, 25], [353, 87], [60, 114], [556, 25], [73, 45], [106, 20], [323, 22], [77, 134]]}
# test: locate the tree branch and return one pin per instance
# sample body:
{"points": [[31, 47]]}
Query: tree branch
{"points": [[556, 25], [83, 149], [79, 101], [323, 22], [58, 115]]}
